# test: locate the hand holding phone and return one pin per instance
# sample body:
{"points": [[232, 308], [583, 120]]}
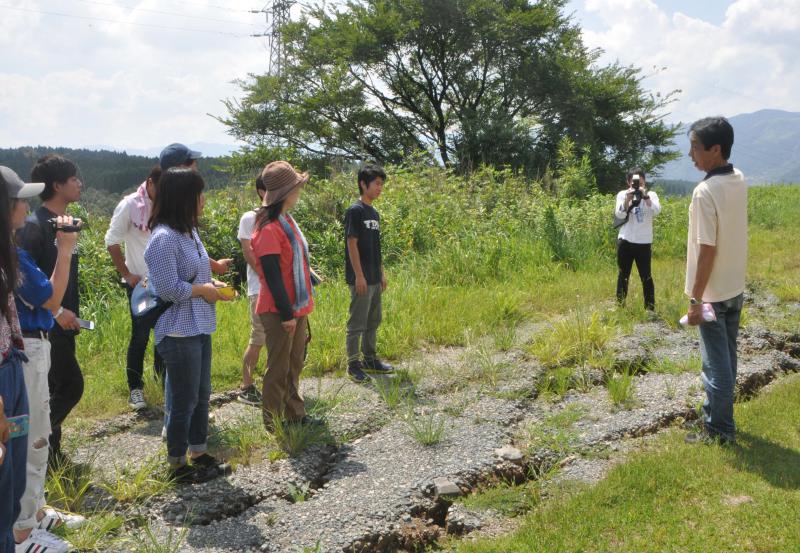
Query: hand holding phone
{"points": [[88, 325]]}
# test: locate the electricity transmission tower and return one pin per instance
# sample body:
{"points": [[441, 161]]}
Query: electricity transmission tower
{"points": [[277, 16]]}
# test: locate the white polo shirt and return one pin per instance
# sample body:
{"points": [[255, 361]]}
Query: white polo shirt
{"points": [[718, 217], [122, 231], [639, 228]]}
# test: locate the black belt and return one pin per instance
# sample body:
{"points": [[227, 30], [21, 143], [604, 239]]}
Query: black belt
{"points": [[39, 334]]}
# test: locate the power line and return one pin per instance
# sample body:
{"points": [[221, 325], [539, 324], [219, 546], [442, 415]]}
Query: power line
{"points": [[107, 20], [182, 15], [277, 13], [212, 6]]}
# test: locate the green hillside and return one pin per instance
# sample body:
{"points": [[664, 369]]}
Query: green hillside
{"points": [[766, 148], [106, 175]]}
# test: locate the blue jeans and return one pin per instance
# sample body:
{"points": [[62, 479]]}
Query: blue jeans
{"points": [[188, 362], [718, 352], [12, 470]]}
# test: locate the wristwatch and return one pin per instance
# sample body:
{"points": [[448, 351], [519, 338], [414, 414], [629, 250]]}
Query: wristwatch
{"points": [[694, 301], [58, 313]]}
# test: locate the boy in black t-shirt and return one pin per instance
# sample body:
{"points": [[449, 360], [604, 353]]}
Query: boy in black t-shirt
{"points": [[365, 276], [37, 237]]}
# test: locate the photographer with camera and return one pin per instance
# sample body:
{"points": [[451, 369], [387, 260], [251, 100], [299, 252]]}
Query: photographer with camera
{"points": [[638, 206], [38, 238]]}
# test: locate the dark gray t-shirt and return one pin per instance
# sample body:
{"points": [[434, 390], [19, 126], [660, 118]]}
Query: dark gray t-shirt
{"points": [[363, 222]]}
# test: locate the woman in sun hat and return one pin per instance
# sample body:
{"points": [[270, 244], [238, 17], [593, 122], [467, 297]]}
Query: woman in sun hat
{"points": [[285, 298]]}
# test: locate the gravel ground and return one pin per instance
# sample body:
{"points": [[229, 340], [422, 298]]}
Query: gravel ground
{"points": [[374, 490]]}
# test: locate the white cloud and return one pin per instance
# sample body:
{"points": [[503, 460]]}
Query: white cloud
{"points": [[746, 63], [79, 82]]}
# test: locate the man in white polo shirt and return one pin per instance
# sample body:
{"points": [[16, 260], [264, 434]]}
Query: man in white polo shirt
{"points": [[129, 227], [716, 261]]}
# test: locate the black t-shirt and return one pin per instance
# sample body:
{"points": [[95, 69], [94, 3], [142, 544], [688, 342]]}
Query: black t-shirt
{"points": [[363, 222], [38, 238]]}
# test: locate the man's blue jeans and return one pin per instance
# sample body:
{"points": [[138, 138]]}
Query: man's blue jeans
{"points": [[718, 352], [12, 471], [188, 362]]}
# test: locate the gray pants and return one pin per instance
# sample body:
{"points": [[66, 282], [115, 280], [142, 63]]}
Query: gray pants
{"points": [[362, 326]]}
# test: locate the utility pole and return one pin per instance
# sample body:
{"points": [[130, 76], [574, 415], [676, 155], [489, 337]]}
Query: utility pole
{"points": [[277, 15]]}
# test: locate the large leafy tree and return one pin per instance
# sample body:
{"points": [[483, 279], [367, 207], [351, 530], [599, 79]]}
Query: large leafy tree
{"points": [[470, 82]]}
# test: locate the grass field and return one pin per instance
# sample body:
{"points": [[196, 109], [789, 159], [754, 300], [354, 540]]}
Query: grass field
{"points": [[675, 497], [481, 279]]}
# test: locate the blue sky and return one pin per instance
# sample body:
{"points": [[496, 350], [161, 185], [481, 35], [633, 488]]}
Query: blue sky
{"points": [[138, 74], [712, 11]]}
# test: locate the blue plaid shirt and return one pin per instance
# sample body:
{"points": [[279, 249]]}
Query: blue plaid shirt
{"points": [[173, 260]]}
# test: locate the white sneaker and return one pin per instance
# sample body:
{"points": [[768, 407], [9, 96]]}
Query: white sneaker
{"points": [[136, 400], [42, 540], [53, 519]]}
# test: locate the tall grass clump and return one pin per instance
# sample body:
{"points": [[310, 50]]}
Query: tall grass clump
{"points": [[621, 388], [575, 340], [425, 429], [68, 485], [242, 438], [136, 483], [294, 438]]}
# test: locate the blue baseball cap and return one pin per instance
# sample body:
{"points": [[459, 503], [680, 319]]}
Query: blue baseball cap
{"points": [[175, 155]]}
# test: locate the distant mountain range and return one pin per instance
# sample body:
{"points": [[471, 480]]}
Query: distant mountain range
{"points": [[766, 148], [208, 149]]}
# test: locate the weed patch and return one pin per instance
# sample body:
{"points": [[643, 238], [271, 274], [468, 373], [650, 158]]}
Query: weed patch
{"points": [[136, 483], [578, 339], [426, 429], [621, 388]]}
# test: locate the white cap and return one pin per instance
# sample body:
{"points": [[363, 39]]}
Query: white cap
{"points": [[17, 188]]}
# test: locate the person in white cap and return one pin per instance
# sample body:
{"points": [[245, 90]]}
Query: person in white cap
{"points": [[36, 297], [13, 397]]}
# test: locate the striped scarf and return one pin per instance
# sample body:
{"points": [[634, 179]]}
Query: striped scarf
{"points": [[299, 261]]}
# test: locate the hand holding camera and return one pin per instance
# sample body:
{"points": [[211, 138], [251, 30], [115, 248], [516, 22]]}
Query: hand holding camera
{"points": [[637, 191], [66, 240], [67, 223]]}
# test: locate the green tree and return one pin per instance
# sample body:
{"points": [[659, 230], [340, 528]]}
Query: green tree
{"points": [[471, 82]]}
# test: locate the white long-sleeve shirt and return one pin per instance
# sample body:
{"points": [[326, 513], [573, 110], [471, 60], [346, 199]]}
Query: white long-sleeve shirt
{"points": [[639, 228], [122, 231]]}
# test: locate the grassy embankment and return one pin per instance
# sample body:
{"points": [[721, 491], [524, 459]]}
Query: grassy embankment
{"points": [[464, 258]]}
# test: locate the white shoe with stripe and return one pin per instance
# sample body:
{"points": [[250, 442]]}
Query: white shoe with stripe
{"points": [[42, 541], [53, 519]]}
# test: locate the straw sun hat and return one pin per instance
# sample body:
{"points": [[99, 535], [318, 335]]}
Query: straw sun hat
{"points": [[281, 179]]}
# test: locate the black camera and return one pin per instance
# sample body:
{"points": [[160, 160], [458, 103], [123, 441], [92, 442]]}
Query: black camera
{"points": [[74, 226]]}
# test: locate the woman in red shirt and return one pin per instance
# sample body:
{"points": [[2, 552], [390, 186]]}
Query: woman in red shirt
{"points": [[285, 298]]}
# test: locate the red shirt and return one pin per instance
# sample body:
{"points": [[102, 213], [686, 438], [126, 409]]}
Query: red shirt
{"points": [[271, 240]]}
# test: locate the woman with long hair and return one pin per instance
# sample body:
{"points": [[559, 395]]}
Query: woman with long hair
{"points": [[13, 395], [285, 297], [37, 297], [179, 272]]}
